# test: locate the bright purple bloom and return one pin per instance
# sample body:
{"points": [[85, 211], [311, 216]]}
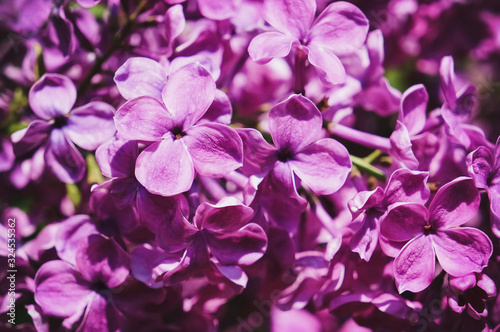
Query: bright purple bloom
{"points": [[433, 232], [403, 186], [51, 99], [340, 29], [295, 126], [484, 168], [179, 142], [470, 293], [224, 230]]}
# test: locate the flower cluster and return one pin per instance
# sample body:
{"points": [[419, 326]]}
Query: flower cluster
{"points": [[250, 165]]}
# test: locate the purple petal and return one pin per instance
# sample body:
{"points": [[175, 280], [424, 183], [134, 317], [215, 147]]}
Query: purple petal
{"points": [[234, 273], [215, 149], [364, 200], [462, 250], [401, 147], [71, 234], [103, 260], [407, 186], [281, 179], [329, 67], [143, 118], [479, 165], [101, 315], [243, 247], [341, 27], [140, 76], [154, 209], [60, 290], [88, 3], [165, 168], [220, 111], [61, 34], [188, 94], [29, 138], [218, 10], [91, 125], [63, 158], [7, 156], [413, 108], [323, 166], [145, 260], [52, 95], [365, 240], [404, 221], [258, 155], [294, 320], [175, 22], [176, 233], [116, 157], [228, 215], [292, 17], [455, 203], [447, 80], [380, 97], [269, 45], [295, 123], [414, 267]]}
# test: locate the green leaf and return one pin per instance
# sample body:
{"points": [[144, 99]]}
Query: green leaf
{"points": [[94, 174]]}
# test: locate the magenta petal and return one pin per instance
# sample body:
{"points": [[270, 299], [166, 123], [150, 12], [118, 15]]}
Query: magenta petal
{"points": [[215, 149], [341, 27], [234, 273], [293, 17], [143, 118], [323, 166], [52, 95], [329, 67], [29, 138], [220, 111], [447, 80], [414, 266], [243, 247], [102, 259], [480, 165], [88, 3], [218, 10], [365, 240], [413, 108], [401, 147], [295, 123], [188, 94], [258, 155], [269, 45], [116, 157], [140, 77], [461, 251], [364, 200], [455, 203], [60, 290], [165, 168], [63, 158], [407, 186], [227, 215], [91, 125], [102, 315], [404, 221], [71, 233], [175, 233]]}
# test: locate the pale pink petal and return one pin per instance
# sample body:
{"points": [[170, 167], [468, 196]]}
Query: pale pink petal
{"points": [[91, 125], [215, 149], [295, 123], [292, 17], [323, 166], [143, 118], [188, 94], [329, 67], [455, 203], [414, 266], [269, 45], [461, 251], [341, 27], [140, 76], [165, 168], [52, 95], [218, 10]]}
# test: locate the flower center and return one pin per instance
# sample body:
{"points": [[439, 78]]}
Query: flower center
{"points": [[60, 121], [178, 133], [284, 155], [428, 229]]}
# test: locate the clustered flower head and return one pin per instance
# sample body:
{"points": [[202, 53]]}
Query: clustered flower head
{"points": [[249, 165]]}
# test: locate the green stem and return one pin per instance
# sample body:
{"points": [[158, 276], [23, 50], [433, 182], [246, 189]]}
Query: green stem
{"points": [[368, 168]]}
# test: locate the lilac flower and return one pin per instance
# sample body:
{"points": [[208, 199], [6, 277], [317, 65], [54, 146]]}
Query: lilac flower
{"points": [[224, 230], [295, 126], [484, 168], [179, 143], [340, 29], [51, 98], [434, 231], [470, 293], [403, 186]]}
